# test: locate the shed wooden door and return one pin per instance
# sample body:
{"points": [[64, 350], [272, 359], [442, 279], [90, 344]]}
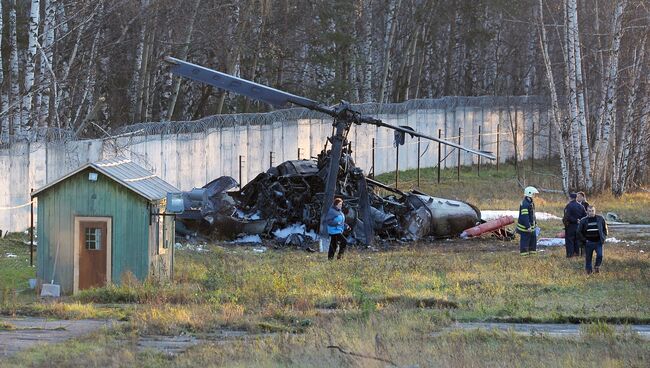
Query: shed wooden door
{"points": [[93, 245]]}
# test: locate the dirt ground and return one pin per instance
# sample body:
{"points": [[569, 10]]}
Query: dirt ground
{"points": [[21, 333]]}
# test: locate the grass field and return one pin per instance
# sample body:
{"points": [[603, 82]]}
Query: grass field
{"points": [[385, 303]]}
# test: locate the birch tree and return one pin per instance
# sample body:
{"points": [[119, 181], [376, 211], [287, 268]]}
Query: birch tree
{"points": [[26, 118], [49, 25], [4, 100], [183, 55], [14, 88], [607, 119], [582, 110], [365, 50], [623, 154], [571, 35], [391, 30], [556, 114]]}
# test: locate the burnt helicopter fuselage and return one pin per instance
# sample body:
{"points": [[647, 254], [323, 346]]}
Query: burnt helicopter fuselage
{"points": [[293, 192]]}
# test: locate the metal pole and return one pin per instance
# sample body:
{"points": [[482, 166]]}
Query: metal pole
{"points": [[460, 134], [478, 166], [298, 153], [397, 166], [338, 141], [373, 158], [532, 149], [240, 169], [550, 135], [439, 153], [271, 159], [418, 162], [498, 138], [31, 231]]}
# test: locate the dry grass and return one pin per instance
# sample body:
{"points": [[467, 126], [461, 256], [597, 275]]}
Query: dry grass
{"points": [[402, 337], [383, 304]]}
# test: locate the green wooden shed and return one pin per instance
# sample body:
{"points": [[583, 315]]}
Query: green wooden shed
{"points": [[101, 221]]}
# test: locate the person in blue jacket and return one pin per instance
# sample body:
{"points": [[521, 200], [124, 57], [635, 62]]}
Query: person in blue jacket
{"points": [[527, 224], [573, 212], [335, 221]]}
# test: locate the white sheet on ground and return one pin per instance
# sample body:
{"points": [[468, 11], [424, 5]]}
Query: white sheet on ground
{"points": [[551, 242]]}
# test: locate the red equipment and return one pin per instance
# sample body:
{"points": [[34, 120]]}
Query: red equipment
{"points": [[488, 226]]}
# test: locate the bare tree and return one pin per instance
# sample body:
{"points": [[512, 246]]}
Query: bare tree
{"points": [[605, 123], [556, 114], [4, 100], [14, 92], [30, 69], [630, 128]]}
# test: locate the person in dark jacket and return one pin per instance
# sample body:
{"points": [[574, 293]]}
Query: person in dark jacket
{"points": [[573, 212], [335, 221], [527, 224], [593, 230]]}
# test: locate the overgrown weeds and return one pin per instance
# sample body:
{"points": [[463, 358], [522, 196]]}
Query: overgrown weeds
{"points": [[148, 292]]}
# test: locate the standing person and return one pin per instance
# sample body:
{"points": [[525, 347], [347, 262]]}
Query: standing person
{"points": [[582, 199], [527, 224], [593, 229], [573, 212], [335, 221]]}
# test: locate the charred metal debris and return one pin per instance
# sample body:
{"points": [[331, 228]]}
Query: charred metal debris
{"points": [[293, 192]]}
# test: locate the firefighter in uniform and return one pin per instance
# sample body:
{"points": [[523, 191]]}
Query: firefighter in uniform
{"points": [[526, 224]]}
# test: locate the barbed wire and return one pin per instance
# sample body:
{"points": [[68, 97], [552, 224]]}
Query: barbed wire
{"points": [[244, 119], [61, 135]]}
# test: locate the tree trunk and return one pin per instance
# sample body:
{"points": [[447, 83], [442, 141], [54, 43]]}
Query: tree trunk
{"points": [[571, 31], [391, 27], [47, 57], [642, 140], [582, 111], [259, 31], [4, 100], [14, 94], [26, 120], [624, 152], [529, 79], [234, 47], [366, 50], [556, 116], [183, 55], [135, 91], [606, 122]]}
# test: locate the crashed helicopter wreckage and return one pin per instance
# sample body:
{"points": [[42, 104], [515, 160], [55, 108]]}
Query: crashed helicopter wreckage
{"points": [[292, 193], [303, 190]]}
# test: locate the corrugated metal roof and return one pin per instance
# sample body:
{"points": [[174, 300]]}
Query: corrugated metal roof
{"points": [[127, 173]]}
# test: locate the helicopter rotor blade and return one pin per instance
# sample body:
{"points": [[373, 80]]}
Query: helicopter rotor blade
{"points": [[485, 154], [244, 87], [279, 98]]}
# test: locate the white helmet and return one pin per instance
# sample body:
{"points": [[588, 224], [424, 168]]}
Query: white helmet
{"points": [[530, 191]]}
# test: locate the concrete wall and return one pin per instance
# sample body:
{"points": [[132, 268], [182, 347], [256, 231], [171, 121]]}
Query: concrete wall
{"points": [[193, 158]]}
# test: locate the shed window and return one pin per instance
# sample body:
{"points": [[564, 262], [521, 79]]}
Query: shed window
{"points": [[93, 238]]}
